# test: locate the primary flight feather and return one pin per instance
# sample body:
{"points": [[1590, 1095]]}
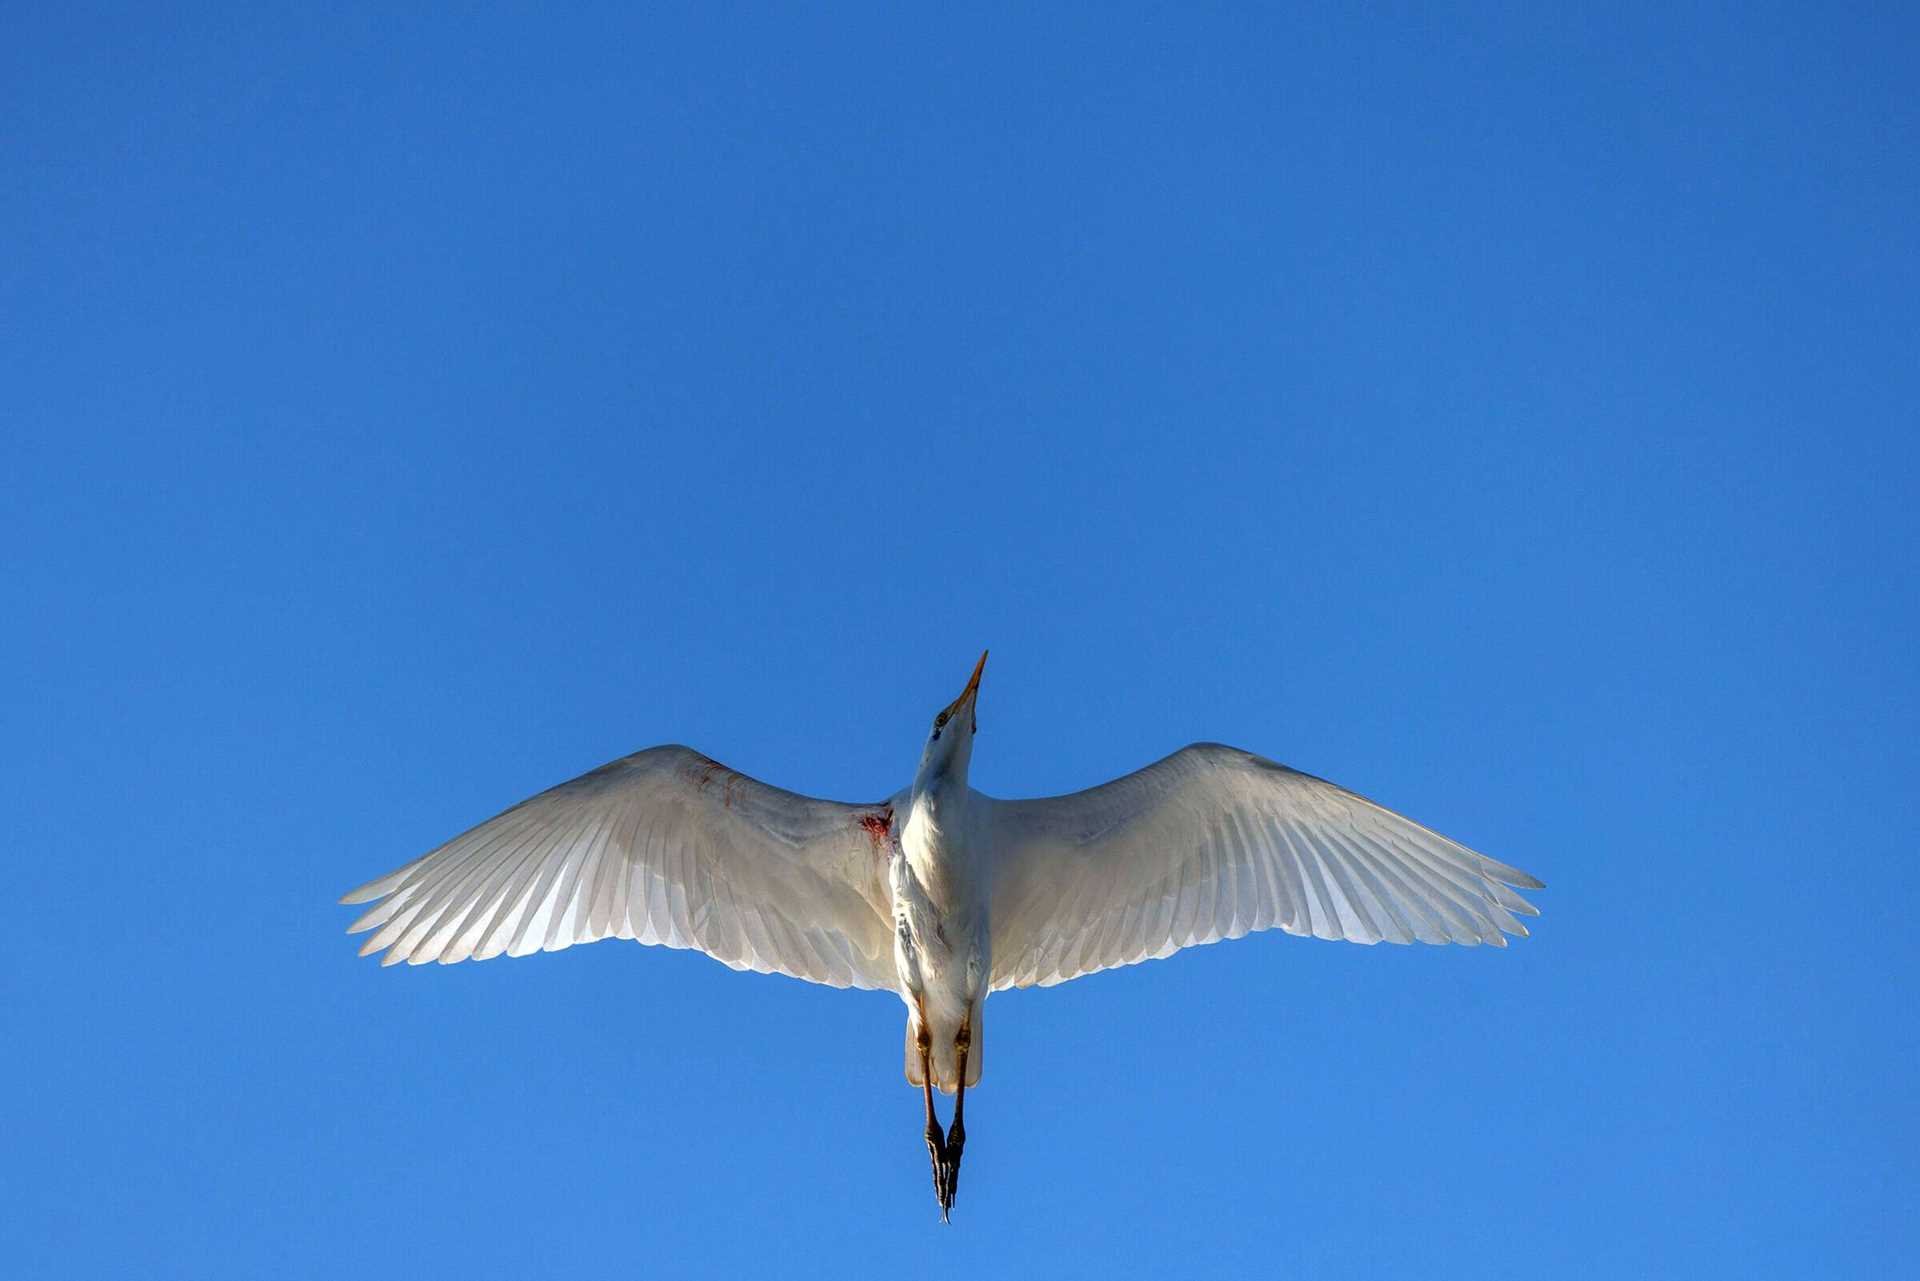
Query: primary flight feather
{"points": [[938, 892]]}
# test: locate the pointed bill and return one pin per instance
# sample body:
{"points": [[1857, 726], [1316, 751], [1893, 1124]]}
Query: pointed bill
{"points": [[973, 686]]}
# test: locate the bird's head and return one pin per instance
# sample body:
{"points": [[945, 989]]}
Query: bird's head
{"points": [[950, 741]]}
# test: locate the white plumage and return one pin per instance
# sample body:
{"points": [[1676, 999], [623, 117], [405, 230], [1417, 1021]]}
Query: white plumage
{"points": [[664, 846], [1212, 843], [939, 892]]}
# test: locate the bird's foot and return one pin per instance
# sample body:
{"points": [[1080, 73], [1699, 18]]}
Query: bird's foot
{"points": [[945, 1168], [956, 1144], [946, 1165]]}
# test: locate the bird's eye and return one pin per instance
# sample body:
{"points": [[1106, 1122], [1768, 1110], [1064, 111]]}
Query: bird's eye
{"points": [[940, 721]]}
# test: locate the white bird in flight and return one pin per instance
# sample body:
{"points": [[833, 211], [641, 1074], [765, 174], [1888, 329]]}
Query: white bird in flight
{"points": [[940, 893]]}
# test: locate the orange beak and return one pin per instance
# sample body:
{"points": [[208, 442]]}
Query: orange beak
{"points": [[973, 686]]}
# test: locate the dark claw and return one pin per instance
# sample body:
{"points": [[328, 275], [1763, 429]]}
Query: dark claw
{"points": [[956, 1144], [945, 1152], [942, 1178]]}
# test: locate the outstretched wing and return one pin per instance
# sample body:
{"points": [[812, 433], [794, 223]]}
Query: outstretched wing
{"points": [[665, 846], [1212, 843]]}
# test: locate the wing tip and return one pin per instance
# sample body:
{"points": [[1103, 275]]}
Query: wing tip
{"points": [[1494, 870], [378, 887]]}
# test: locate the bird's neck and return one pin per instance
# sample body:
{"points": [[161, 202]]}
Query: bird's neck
{"points": [[944, 776], [941, 794]]}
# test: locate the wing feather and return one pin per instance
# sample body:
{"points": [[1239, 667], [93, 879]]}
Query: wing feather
{"points": [[1213, 843], [665, 846]]}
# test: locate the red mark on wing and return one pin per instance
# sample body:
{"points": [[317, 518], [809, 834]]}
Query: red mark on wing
{"points": [[879, 827]]}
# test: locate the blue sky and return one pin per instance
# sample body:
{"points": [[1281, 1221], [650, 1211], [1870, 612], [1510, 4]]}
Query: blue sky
{"points": [[1508, 415]]}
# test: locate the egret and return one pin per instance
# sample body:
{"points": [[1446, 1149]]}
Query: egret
{"points": [[939, 892]]}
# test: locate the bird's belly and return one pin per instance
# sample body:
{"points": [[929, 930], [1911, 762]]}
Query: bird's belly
{"points": [[942, 958], [939, 945]]}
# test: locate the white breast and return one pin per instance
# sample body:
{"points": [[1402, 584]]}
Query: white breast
{"points": [[940, 913]]}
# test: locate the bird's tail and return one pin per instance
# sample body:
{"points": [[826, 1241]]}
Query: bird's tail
{"points": [[914, 1075]]}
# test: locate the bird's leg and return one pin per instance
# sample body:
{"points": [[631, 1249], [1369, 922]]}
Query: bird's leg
{"points": [[957, 1133], [936, 1142]]}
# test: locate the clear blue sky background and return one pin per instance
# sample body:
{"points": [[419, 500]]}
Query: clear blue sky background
{"points": [[1510, 416]]}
